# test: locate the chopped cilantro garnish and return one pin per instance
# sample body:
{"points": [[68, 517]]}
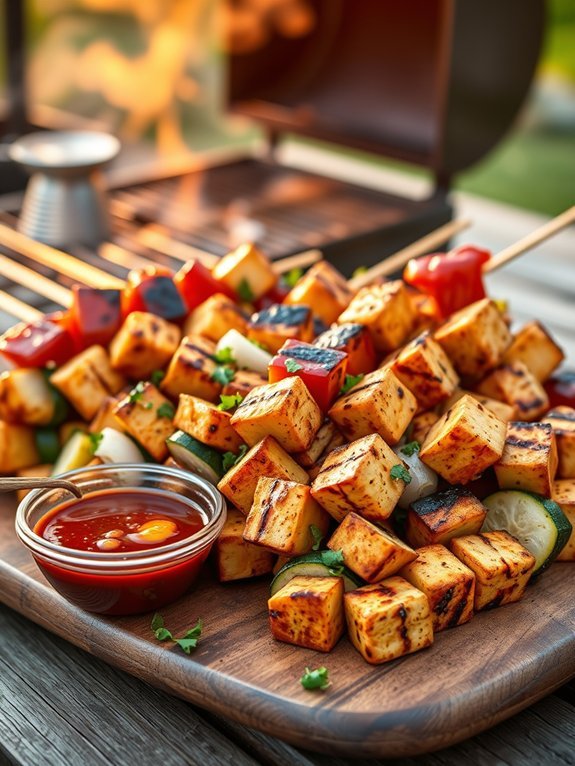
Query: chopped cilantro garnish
{"points": [[350, 382], [292, 276], [333, 560], [136, 395], [166, 410], [186, 643], [160, 632], [223, 375], [245, 291], [229, 402], [410, 448], [157, 377], [400, 472], [224, 356], [317, 536], [95, 440], [231, 458], [315, 679], [293, 366]]}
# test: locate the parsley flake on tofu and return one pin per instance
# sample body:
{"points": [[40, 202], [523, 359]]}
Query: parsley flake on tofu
{"points": [[350, 382], [230, 458], [229, 402], [223, 375], [166, 410], [245, 292], [315, 679], [400, 472], [292, 365], [136, 394], [410, 448], [186, 643]]}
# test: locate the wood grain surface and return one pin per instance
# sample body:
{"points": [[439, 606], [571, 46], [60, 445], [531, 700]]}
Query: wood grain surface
{"points": [[473, 677]]}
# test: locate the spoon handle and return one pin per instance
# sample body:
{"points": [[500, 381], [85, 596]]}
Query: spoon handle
{"points": [[12, 483]]}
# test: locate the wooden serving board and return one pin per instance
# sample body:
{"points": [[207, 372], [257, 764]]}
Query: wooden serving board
{"points": [[473, 676]]}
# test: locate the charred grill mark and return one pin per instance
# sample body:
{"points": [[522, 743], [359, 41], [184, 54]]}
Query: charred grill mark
{"points": [[254, 401], [495, 602], [530, 444], [530, 404], [556, 415], [442, 605], [358, 388], [284, 314], [324, 357], [402, 614], [267, 506], [441, 500], [460, 605], [351, 459]]}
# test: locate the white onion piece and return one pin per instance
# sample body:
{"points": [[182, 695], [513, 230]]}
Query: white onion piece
{"points": [[245, 353], [116, 447], [423, 479]]}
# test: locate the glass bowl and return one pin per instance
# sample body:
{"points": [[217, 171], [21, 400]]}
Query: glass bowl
{"points": [[129, 582]]}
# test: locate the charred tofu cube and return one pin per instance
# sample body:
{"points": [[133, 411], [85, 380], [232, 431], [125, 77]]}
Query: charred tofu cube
{"points": [[206, 423], [278, 323], [502, 566], [515, 385], [386, 311], [87, 380], [324, 289], [17, 448], [235, 558], [190, 370], [465, 441], [563, 492], [378, 403], [424, 368], [284, 410], [475, 339], [143, 413], [503, 411], [421, 424], [369, 551], [448, 584], [536, 349], [529, 459], [442, 516], [25, 397], [354, 340], [321, 369], [106, 417], [357, 477], [388, 619], [281, 516], [214, 317], [308, 611], [266, 458], [144, 343], [322, 440], [562, 421], [243, 382], [247, 271]]}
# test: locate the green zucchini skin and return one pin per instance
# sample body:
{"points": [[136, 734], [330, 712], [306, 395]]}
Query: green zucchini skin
{"points": [[311, 565], [195, 456]]}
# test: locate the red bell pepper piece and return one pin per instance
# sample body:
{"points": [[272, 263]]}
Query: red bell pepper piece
{"points": [[321, 369], [37, 344], [355, 340], [153, 290], [560, 389], [95, 315], [196, 284], [452, 279], [275, 295]]}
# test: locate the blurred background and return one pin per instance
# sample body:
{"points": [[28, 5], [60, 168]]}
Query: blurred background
{"points": [[152, 73]]}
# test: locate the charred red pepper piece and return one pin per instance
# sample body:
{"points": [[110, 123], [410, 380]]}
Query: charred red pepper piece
{"points": [[196, 284], [95, 315], [452, 279], [37, 344], [355, 340], [153, 290], [322, 370], [275, 295], [560, 389]]}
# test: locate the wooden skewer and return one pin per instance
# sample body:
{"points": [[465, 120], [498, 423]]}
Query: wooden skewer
{"points": [[18, 309], [38, 283], [298, 261], [531, 240], [420, 247], [13, 483]]}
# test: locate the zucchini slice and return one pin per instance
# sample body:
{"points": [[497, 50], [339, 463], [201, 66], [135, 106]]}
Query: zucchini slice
{"points": [[47, 444], [312, 565], [76, 453], [537, 522], [195, 456]]}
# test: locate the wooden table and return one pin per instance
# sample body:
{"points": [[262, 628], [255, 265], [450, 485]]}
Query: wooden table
{"points": [[59, 705]]}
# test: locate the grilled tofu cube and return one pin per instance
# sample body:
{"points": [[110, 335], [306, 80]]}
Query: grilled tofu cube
{"points": [[244, 381], [536, 349], [357, 477], [448, 584], [502, 567], [308, 611], [529, 459], [386, 311], [517, 387], [144, 343], [41, 471], [25, 397], [503, 411], [266, 458], [321, 441], [475, 339], [246, 270], [354, 340], [235, 558], [281, 516], [214, 317], [465, 441], [323, 288], [442, 516], [190, 370], [421, 424], [278, 323], [206, 423], [562, 421], [388, 619], [378, 403], [106, 417], [139, 415], [87, 380], [563, 492], [285, 410], [17, 447], [369, 551], [424, 368]]}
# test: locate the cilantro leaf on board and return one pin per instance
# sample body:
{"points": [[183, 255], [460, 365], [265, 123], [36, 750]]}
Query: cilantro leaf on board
{"points": [[315, 679]]}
